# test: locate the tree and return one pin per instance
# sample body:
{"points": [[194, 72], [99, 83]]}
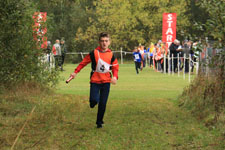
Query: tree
{"points": [[19, 56], [65, 17], [215, 24], [131, 22]]}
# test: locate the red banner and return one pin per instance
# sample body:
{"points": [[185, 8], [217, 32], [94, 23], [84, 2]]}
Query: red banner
{"points": [[40, 29], [169, 28]]}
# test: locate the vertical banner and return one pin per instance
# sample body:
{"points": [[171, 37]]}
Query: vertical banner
{"points": [[169, 28], [40, 29]]}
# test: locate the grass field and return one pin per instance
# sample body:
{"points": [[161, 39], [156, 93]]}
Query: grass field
{"points": [[142, 114], [147, 85]]}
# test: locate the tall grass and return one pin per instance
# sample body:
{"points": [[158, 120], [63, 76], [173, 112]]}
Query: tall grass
{"points": [[205, 96]]}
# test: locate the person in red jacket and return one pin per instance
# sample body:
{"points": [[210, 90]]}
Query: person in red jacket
{"points": [[103, 62]]}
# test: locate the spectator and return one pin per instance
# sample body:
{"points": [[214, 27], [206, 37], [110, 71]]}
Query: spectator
{"points": [[173, 52], [159, 55], [144, 57], [64, 51], [155, 57], [150, 50], [48, 51], [141, 50], [56, 49], [187, 52]]}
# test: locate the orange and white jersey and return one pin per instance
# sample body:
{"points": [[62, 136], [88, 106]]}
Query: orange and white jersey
{"points": [[102, 66], [103, 63]]}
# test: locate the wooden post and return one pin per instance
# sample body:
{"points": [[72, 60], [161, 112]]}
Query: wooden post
{"points": [[184, 65], [169, 65], [172, 65], [164, 64], [82, 56], [121, 53], [178, 63], [52, 61], [189, 70]]}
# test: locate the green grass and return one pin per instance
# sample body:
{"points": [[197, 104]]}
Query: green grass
{"points": [[148, 84], [142, 113]]}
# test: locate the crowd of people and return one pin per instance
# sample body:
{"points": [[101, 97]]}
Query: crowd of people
{"points": [[177, 52], [153, 55], [58, 50]]}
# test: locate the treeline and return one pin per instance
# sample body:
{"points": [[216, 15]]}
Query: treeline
{"points": [[129, 21]]}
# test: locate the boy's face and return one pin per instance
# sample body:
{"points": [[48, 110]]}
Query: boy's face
{"points": [[104, 43]]}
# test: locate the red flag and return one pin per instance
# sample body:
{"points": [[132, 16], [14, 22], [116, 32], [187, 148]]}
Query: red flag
{"points": [[40, 29], [169, 28]]}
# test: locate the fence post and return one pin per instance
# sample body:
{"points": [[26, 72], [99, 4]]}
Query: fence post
{"points": [[82, 56], [172, 65], [189, 70], [200, 61], [121, 53], [164, 64], [52, 61], [169, 65], [178, 63], [184, 65]]}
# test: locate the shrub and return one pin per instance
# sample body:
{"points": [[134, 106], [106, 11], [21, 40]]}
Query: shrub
{"points": [[19, 57], [205, 96]]}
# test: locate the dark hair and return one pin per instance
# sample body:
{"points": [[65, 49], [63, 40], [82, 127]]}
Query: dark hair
{"points": [[103, 34]]}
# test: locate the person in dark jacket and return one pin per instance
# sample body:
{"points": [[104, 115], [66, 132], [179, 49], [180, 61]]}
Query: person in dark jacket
{"points": [[63, 50], [187, 52], [173, 52]]}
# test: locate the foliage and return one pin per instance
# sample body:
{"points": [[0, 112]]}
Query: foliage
{"points": [[19, 57], [197, 17], [207, 20], [130, 22], [65, 17], [215, 24], [205, 96]]}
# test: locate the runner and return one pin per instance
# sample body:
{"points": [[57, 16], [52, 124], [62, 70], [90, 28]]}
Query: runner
{"points": [[137, 59], [103, 62]]}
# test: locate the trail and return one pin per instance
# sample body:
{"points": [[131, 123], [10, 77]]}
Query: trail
{"points": [[142, 113]]}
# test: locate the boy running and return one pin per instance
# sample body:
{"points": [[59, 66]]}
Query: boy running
{"points": [[137, 59], [103, 62]]}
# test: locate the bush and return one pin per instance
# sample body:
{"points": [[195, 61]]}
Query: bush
{"points": [[19, 57], [205, 96]]}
